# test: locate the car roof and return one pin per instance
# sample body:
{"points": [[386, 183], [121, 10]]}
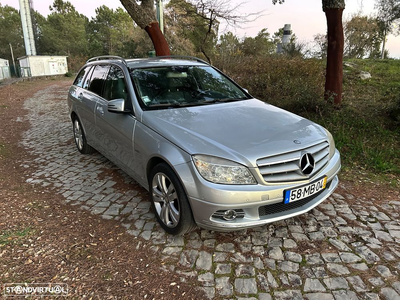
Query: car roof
{"points": [[162, 62], [158, 61]]}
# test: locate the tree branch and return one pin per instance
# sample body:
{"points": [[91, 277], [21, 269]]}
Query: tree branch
{"points": [[143, 14]]}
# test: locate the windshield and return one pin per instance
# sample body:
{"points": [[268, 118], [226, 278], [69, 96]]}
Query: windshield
{"points": [[177, 86]]}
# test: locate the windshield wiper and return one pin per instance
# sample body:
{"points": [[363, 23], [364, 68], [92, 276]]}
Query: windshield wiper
{"points": [[224, 100], [175, 105], [165, 105]]}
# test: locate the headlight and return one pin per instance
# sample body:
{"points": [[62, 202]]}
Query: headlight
{"points": [[222, 171], [331, 144]]}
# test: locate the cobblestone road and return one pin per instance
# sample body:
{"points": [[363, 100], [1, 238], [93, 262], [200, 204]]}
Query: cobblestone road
{"points": [[347, 248]]}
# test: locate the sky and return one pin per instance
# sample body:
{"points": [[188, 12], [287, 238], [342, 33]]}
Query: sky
{"points": [[306, 17]]}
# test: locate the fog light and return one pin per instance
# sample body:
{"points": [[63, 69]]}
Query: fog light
{"points": [[229, 215]]}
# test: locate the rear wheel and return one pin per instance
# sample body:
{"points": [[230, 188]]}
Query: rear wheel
{"points": [[169, 201], [80, 138]]}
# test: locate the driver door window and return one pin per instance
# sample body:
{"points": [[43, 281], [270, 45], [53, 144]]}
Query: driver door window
{"points": [[115, 86]]}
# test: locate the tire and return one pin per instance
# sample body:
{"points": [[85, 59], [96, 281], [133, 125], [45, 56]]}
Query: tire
{"points": [[169, 201], [80, 138]]}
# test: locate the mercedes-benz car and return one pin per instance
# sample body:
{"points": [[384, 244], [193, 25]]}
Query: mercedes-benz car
{"points": [[208, 152]]}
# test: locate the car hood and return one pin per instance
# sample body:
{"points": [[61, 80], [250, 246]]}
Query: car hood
{"points": [[242, 131]]}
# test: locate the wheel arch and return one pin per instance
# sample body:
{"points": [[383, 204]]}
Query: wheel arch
{"points": [[156, 160], [74, 116]]}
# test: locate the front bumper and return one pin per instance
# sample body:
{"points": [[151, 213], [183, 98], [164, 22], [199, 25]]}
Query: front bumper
{"points": [[261, 204]]}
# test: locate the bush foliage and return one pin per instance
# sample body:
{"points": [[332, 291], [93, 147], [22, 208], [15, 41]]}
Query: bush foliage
{"points": [[295, 84]]}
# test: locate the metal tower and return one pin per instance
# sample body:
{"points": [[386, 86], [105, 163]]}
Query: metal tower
{"points": [[27, 28]]}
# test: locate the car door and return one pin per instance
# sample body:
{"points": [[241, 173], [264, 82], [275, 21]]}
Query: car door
{"points": [[116, 128], [84, 107], [92, 91]]}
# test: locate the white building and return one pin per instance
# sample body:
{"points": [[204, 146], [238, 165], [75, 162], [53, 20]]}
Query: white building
{"points": [[41, 65], [4, 69]]}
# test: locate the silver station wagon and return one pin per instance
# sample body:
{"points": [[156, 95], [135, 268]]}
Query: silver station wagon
{"points": [[208, 152]]}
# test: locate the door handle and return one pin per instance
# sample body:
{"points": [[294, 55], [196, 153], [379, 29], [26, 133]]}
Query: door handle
{"points": [[100, 110], [80, 97]]}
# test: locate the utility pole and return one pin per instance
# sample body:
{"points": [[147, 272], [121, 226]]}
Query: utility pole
{"points": [[12, 57], [160, 14]]}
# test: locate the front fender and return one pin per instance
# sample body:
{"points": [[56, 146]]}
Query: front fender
{"points": [[151, 149]]}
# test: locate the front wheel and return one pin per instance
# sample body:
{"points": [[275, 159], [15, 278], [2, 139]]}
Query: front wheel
{"points": [[169, 201]]}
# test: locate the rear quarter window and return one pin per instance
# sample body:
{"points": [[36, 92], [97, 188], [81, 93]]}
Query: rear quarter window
{"points": [[81, 76]]}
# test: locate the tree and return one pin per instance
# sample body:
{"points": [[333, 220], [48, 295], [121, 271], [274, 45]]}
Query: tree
{"points": [[388, 14], [229, 44], [259, 45], [111, 32], [211, 11], [145, 17], [64, 31], [321, 45], [214, 11], [179, 27], [363, 37], [199, 21], [10, 33], [191, 23]]}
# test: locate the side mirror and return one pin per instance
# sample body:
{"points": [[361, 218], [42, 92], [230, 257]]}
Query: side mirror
{"points": [[117, 106], [246, 90]]}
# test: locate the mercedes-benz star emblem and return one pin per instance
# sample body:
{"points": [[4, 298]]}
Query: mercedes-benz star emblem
{"points": [[307, 163]]}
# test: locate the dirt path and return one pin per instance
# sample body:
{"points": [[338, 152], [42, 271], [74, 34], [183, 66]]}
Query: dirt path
{"points": [[44, 240]]}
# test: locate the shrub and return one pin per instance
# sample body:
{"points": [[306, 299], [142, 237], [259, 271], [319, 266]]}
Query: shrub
{"points": [[295, 84]]}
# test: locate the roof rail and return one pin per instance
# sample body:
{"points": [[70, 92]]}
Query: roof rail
{"points": [[180, 57], [104, 57]]}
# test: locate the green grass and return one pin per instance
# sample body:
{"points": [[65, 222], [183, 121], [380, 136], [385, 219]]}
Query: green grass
{"points": [[3, 150], [364, 143], [12, 237]]}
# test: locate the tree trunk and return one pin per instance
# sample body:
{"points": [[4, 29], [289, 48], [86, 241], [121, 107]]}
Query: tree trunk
{"points": [[334, 67], [383, 44], [158, 39]]}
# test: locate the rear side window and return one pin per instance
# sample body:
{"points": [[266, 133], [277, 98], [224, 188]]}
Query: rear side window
{"points": [[97, 79], [81, 76]]}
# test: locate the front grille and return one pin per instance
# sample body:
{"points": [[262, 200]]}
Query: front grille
{"points": [[285, 167], [280, 207]]}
